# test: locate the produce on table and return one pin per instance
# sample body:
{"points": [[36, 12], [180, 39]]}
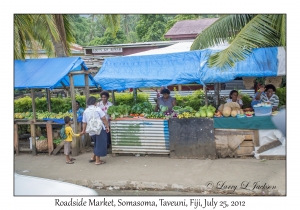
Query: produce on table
{"points": [[118, 111], [144, 107], [42, 115], [221, 107], [197, 114], [232, 105], [163, 108], [218, 114], [207, 111], [180, 110], [234, 113], [226, 111], [210, 111], [155, 115], [185, 115]]}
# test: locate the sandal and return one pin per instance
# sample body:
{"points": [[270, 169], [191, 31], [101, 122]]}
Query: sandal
{"points": [[72, 159], [91, 160], [69, 162], [101, 162]]}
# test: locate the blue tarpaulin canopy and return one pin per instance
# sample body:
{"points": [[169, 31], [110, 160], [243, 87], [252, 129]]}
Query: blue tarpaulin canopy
{"points": [[120, 73], [49, 73]]}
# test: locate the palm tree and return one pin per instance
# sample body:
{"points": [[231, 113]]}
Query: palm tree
{"points": [[50, 32], [113, 22], [26, 37], [64, 26], [244, 32]]}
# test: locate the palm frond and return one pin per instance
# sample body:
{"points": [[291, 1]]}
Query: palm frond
{"points": [[258, 32], [113, 22], [22, 34], [70, 35], [221, 31], [279, 23]]}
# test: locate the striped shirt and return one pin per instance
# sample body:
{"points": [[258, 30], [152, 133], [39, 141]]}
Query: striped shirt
{"points": [[274, 100]]}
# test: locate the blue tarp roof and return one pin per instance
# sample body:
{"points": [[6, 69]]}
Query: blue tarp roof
{"points": [[49, 73], [120, 73]]}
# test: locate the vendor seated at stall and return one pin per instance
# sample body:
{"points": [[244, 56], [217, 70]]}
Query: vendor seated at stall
{"points": [[254, 101], [235, 97], [267, 94], [78, 109], [165, 100]]}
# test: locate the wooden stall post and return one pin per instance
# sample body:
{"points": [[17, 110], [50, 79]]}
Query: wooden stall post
{"points": [[217, 93], [179, 87], [32, 125], [16, 138], [113, 97], [134, 95], [256, 138], [87, 89], [75, 146], [33, 139], [48, 99], [205, 92], [49, 136]]}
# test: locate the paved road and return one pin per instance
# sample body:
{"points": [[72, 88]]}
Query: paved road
{"points": [[229, 176]]}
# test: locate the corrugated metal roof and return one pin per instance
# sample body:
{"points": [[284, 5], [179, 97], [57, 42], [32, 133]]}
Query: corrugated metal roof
{"points": [[189, 27], [179, 47], [137, 44]]}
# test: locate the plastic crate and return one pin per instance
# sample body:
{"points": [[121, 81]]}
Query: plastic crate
{"points": [[263, 110]]}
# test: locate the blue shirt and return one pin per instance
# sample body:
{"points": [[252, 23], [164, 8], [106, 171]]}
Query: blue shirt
{"points": [[79, 112]]}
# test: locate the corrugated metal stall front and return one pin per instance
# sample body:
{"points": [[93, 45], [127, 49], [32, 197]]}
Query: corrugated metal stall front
{"points": [[144, 136]]}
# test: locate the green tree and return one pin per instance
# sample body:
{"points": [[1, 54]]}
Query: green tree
{"points": [[81, 29], [151, 27], [244, 32], [108, 38]]}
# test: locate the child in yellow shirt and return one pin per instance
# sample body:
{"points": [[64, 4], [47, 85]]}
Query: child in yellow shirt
{"points": [[67, 146]]}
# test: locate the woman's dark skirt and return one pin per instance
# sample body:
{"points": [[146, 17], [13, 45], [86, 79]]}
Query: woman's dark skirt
{"points": [[100, 143]]}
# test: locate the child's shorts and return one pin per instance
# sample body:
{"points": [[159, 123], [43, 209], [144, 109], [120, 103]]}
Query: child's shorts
{"points": [[67, 147]]}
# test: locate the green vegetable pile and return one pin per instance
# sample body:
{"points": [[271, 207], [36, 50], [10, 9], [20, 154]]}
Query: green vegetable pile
{"points": [[180, 110], [206, 111], [156, 115], [118, 111], [144, 107]]}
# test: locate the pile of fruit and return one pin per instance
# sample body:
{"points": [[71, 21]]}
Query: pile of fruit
{"points": [[24, 115], [232, 109], [249, 113], [42, 115]]}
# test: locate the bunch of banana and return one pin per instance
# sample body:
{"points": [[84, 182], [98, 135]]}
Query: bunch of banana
{"points": [[185, 115]]}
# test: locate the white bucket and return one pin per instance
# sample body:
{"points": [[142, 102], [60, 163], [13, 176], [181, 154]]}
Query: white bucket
{"points": [[30, 139]]}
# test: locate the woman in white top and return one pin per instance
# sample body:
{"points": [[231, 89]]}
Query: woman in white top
{"points": [[104, 104], [100, 141], [234, 97]]}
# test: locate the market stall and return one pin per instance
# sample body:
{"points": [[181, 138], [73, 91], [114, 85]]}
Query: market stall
{"points": [[157, 70], [66, 72]]}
